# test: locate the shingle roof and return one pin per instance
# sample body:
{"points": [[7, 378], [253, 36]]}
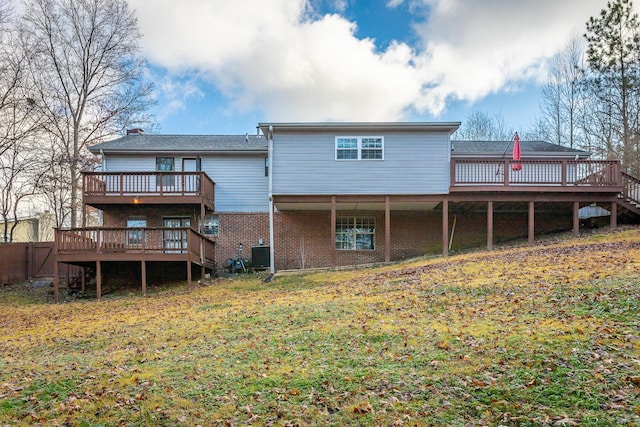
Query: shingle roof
{"points": [[200, 143], [500, 148]]}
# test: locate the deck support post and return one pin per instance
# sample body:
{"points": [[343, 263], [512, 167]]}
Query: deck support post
{"points": [[189, 273], [490, 225], [83, 279], [576, 219], [98, 280], [531, 222], [202, 215], [445, 227], [333, 231], [387, 229], [202, 272], [143, 267], [56, 281], [613, 220]]}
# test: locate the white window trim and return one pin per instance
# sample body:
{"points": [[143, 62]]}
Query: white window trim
{"points": [[355, 234], [359, 148], [212, 221]]}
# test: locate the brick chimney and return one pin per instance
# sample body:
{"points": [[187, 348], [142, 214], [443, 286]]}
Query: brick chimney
{"points": [[135, 131]]}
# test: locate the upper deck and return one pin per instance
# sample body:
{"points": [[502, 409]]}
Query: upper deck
{"points": [[103, 188]]}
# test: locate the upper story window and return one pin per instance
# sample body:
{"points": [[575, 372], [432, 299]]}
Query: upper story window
{"points": [[165, 164], [360, 148]]}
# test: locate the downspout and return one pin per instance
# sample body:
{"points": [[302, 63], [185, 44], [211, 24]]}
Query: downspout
{"points": [[272, 252]]}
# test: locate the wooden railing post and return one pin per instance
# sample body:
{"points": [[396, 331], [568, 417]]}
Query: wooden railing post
{"points": [[564, 173], [505, 168], [121, 184], [452, 177]]}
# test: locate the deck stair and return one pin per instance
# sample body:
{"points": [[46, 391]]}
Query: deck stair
{"points": [[75, 283], [629, 198]]}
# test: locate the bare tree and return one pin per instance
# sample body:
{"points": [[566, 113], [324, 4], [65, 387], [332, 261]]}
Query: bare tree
{"points": [[5, 12], [55, 186], [613, 81], [19, 178], [88, 75], [480, 126], [18, 117], [561, 97]]}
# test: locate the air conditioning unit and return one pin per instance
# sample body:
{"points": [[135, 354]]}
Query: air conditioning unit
{"points": [[260, 257]]}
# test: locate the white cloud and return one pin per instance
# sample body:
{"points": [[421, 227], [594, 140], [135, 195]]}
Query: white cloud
{"points": [[174, 93], [277, 57], [477, 48]]}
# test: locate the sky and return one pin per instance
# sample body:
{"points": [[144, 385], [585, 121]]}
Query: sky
{"points": [[223, 66]]}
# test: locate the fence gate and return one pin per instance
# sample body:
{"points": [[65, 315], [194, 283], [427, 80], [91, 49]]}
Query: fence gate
{"points": [[42, 259], [27, 261]]}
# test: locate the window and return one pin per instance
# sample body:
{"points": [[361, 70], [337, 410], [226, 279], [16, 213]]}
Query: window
{"points": [[211, 225], [165, 164], [134, 237], [346, 148], [360, 148], [355, 233]]}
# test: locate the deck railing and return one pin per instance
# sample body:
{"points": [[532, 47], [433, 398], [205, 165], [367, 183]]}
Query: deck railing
{"points": [[134, 240], [505, 172], [147, 183], [630, 188]]}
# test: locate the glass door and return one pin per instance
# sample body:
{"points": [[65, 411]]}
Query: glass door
{"points": [[190, 182], [135, 236], [175, 241]]}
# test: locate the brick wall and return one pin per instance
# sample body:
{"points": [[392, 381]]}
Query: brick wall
{"points": [[116, 215], [303, 238], [236, 228]]}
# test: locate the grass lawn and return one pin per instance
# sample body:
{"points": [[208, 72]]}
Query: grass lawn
{"points": [[534, 335]]}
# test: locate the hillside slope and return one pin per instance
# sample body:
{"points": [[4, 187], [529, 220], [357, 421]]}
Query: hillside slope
{"points": [[534, 335]]}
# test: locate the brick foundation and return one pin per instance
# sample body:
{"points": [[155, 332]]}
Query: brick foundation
{"points": [[303, 238]]}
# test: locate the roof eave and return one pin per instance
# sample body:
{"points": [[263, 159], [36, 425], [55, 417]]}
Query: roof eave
{"points": [[360, 126], [181, 151]]}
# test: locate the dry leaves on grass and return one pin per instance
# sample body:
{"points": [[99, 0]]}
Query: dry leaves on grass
{"points": [[531, 335]]}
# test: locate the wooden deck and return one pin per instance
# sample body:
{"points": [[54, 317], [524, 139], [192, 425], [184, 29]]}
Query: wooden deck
{"points": [[506, 175], [115, 244], [103, 244], [104, 188]]}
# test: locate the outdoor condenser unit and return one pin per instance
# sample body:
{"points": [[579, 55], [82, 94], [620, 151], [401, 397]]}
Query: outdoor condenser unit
{"points": [[260, 257]]}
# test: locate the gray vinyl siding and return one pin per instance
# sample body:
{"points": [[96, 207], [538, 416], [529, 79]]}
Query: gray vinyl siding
{"points": [[240, 182], [413, 164], [130, 164]]}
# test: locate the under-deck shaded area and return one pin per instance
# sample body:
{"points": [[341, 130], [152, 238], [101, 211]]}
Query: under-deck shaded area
{"points": [[531, 192], [97, 247]]}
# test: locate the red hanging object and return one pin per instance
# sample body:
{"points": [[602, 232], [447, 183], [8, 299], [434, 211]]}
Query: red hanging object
{"points": [[516, 165]]}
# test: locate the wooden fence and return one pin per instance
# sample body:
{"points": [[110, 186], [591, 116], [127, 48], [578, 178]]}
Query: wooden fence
{"points": [[29, 261]]}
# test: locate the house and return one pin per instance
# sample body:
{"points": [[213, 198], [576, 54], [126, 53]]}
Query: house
{"points": [[37, 228], [306, 195]]}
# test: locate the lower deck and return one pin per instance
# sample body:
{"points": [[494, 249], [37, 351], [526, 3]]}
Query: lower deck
{"points": [[93, 249]]}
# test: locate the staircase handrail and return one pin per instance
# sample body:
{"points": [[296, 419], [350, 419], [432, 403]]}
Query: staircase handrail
{"points": [[630, 188]]}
